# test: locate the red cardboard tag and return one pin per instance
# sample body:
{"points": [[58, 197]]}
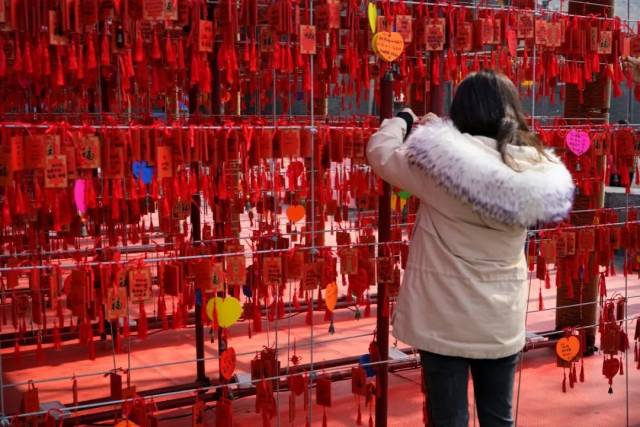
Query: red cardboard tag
{"points": [[205, 36], [55, 172], [404, 25], [308, 39], [435, 35], [89, 152], [140, 285], [272, 271]]}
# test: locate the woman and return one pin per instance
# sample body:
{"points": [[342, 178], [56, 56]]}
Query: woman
{"points": [[482, 179]]}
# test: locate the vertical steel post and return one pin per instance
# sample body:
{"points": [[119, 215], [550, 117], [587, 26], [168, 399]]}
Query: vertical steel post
{"points": [[384, 234]]}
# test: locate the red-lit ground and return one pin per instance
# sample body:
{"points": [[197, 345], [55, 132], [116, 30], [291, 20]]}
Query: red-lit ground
{"points": [[541, 401]]}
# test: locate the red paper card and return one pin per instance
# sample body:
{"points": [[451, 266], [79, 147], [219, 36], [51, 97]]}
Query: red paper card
{"points": [[308, 39], [272, 271], [205, 36], [404, 26], [164, 161], [89, 152], [435, 35], [55, 172], [116, 303], [159, 10], [139, 285]]}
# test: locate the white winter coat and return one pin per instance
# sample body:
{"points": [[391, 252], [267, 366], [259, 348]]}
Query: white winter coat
{"points": [[464, 291]]}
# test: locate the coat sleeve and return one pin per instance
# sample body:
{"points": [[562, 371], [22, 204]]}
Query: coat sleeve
{"points": [[387, 157]]}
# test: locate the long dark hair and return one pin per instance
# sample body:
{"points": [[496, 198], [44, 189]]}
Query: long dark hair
{"points": [[487, 104]]}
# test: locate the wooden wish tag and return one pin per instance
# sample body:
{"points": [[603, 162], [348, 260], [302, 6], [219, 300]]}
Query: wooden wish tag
{"points": [[30, 399], [308, 39], [35, 152], [348, 261], [435, 34], [171, 278], [116, 303], [404, 26], [203, 274], [310, 277], [525, 25], [358, 381], [272, 271], [139, 285], [323, 391], [55, 172], [385, 269], [88, 152], [290, 143], [294, 265], [115, 384], [236, 272]]}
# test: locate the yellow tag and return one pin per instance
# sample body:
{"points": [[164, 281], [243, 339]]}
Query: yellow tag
{"points": [[372, 13]]}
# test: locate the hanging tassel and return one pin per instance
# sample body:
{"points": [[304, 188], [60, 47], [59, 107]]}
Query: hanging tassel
{"points": [[621, 367], [332, 329], [39, 352], [547, 280], [16, 352], [564, 383], [142, 322], [105, 54], [582, 370], [540, 304], [635, 351], [90, 342], [257, 318], [359, 419], [309, 318], [324, 416], [367, 308], [57, 341], [156, 54]]}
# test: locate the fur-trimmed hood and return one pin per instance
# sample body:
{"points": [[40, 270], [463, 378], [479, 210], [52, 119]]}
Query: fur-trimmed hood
{"points": [[536, 190]]}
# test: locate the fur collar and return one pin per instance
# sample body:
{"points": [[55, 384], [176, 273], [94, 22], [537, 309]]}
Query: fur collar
{"points": [[472, 170]]}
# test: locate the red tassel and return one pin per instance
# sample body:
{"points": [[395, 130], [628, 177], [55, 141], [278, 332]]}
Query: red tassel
{"points": [[296, 301], [257, 318], [621, 367], [370, 420], [367, 308], [582, 370], [3, 61], [171, 55], [540, 304], [564, 383], [547, 281], [105, 54], [92, 346], [59, 68], [324, 417], [162, 311], [309, 318], [39, 352], [92, 61], [635, 351], [16, 352], [57, 341], [359, 419], [138, 55], [156, 54]]}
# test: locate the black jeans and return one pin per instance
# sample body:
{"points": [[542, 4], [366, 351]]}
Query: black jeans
{"points": [[446, 379]]}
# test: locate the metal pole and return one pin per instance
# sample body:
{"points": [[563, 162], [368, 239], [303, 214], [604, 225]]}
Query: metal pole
{"points": [[384, 235]]}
